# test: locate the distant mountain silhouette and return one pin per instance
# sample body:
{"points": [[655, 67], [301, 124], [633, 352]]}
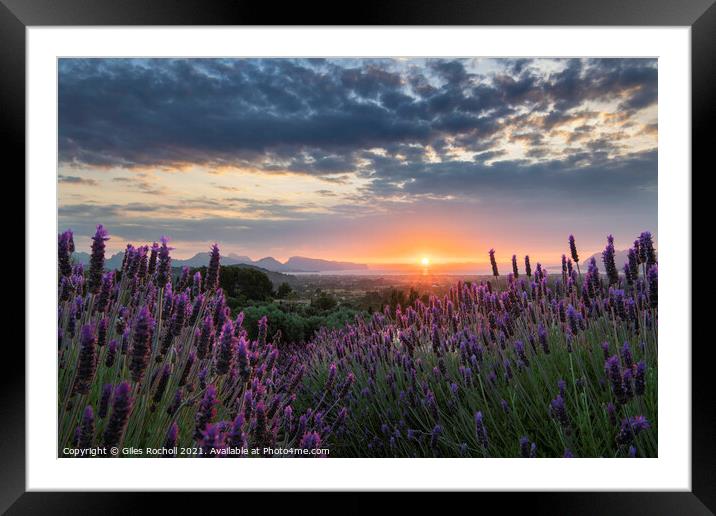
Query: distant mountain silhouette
{"points": [[315, 264], [113, 262], [270, 263], [293, 264]]}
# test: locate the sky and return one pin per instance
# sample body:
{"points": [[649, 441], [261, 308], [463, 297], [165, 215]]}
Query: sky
{"points": [[367, 160]]}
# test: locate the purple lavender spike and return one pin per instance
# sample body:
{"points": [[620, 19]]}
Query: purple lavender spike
{"points": [[481, 430], [141, 344], [97, 259], [121, 408], [609, 263], [104, 400], [206, 411], [87, 428], [212, 272], [64, 243], [573, 249], [630, 428], [493, 263], [171, 440], [165, 264], [225, 355], [87, 362]]}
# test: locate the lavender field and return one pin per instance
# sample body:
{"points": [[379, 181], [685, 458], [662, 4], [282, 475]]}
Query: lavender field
{"points": [[528, 364]]}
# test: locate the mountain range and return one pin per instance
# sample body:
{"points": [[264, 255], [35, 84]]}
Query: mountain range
{"points": [[293, 264]]}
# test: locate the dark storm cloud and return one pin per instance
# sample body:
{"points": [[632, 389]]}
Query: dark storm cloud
{"points": [[314, 116], [582, 176]]}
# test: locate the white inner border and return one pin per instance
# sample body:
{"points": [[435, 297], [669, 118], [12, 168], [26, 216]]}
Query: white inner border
{"points": [[672, 470]]}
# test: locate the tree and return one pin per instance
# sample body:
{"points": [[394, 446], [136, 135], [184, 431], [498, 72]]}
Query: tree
{"points": [[284, 289], [251, 283], [324, 302]]}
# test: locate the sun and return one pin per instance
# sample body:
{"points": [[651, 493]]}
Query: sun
{"points": [[425, 261]]}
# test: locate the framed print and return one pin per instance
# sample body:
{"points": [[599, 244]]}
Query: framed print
{"points": [[450, 257]]}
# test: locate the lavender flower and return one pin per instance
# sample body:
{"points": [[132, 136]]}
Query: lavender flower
{"points": [[97, 259], [614, 374], [121, 408], [64, 244], [206, 411], [179, 314], [609, 263], [104, 400], [187, 368], [171, 440], [515, 271], [236, 437], [653, 279], [225, 356], [528, 267], [143, 263], [646, 249], [260, 426], [244, 364], [161, 385], [331, 380], [640, 378], [562, 386], [542, 336], [434, 436], [524, 447], [141, 344], [627, 384], [493, 263], [558, 410], [263, 330], [111, 353], [633, 263], [573, 318], [152, 264], [196, 282], [628, 275], [630, 428], [310, 441], [573, 249], [520, 350], [212, 272], [87, 428], [481, 430], [105, 292], [102, 328], [505, 406], [627, 356], [165, 264], [203, 344], [87, 361], [346, 386], [211, 441]]}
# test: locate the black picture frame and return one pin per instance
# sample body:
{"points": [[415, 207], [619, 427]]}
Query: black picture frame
{"points": [[17, 15]]}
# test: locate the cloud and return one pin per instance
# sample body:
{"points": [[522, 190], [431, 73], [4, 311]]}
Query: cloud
{"points": [[75, 180], [313, 117]]}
